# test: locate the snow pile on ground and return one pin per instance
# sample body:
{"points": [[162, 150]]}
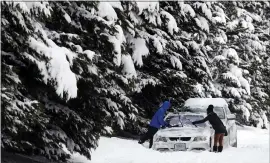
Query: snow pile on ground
{"points": [[253, 146]]}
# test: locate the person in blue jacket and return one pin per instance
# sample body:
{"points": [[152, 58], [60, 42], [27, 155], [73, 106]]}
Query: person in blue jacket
{"points": [[156, 123]]}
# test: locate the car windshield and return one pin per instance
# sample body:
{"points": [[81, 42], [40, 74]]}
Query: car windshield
{"points": [[185, 120], [218, 110]]}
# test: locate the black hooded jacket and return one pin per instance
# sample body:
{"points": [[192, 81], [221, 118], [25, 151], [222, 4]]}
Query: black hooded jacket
{"points": [[215, 121]]}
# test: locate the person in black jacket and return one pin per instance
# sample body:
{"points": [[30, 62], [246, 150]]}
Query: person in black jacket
{"points": [[218, 126]]}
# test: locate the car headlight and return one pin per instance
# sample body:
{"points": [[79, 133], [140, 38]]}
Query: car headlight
{"points": [[200, 138], [161, 139]]}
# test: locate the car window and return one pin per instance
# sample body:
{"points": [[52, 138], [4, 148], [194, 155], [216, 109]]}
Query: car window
{"points": [[174, 120], [227, 110], [218, 110], [188, 119]]}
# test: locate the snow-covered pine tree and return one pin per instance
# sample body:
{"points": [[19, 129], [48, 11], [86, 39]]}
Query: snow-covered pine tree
{"points": [[243, 31], [67, 62], [25, 125], [73, 71], [169, 62]]}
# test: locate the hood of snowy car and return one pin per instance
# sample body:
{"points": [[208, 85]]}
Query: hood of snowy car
{"points": [[184, 132]]}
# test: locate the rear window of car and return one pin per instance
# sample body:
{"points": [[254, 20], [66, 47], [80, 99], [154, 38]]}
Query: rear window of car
{"points": [[218, 110]]}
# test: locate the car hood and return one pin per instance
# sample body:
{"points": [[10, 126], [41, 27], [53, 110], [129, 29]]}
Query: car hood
{"points": [[184, 132]]}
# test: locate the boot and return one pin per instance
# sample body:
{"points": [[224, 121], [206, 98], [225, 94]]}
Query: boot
{"points": [[220, 148], [214, 148]]}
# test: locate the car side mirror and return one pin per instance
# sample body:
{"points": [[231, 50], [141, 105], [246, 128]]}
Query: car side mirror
{"points": [[231, 117]]}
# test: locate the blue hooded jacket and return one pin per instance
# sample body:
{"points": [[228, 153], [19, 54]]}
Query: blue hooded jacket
{"points": [[158, 119]]}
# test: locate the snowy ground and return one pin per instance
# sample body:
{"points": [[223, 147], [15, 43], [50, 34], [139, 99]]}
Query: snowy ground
{"points": [[253, 146]]}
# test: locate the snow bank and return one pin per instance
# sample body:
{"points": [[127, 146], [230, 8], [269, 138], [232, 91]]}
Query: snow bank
{"points": [[253, 145]]}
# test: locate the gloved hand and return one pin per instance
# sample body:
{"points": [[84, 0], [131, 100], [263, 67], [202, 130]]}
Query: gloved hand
{"points": [[163, 127], [193, 123], [168, 125]]}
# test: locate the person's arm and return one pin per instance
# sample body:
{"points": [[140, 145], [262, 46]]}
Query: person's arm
{"points": [[201, 121]]}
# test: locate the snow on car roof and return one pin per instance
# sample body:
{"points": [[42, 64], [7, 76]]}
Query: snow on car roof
{"points": [[205, 102]]}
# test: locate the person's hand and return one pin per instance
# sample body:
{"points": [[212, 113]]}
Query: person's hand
{"points": [[193, 123], [163, 127]]}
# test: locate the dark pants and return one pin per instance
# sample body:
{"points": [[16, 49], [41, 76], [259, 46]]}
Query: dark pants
{"points": [[149, 135]]}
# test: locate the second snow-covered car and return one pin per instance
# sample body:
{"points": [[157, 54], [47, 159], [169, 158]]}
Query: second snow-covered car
{"points": [[184, 136]]}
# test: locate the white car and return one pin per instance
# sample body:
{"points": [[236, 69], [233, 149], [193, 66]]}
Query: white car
{"points": [[183, 136]]}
